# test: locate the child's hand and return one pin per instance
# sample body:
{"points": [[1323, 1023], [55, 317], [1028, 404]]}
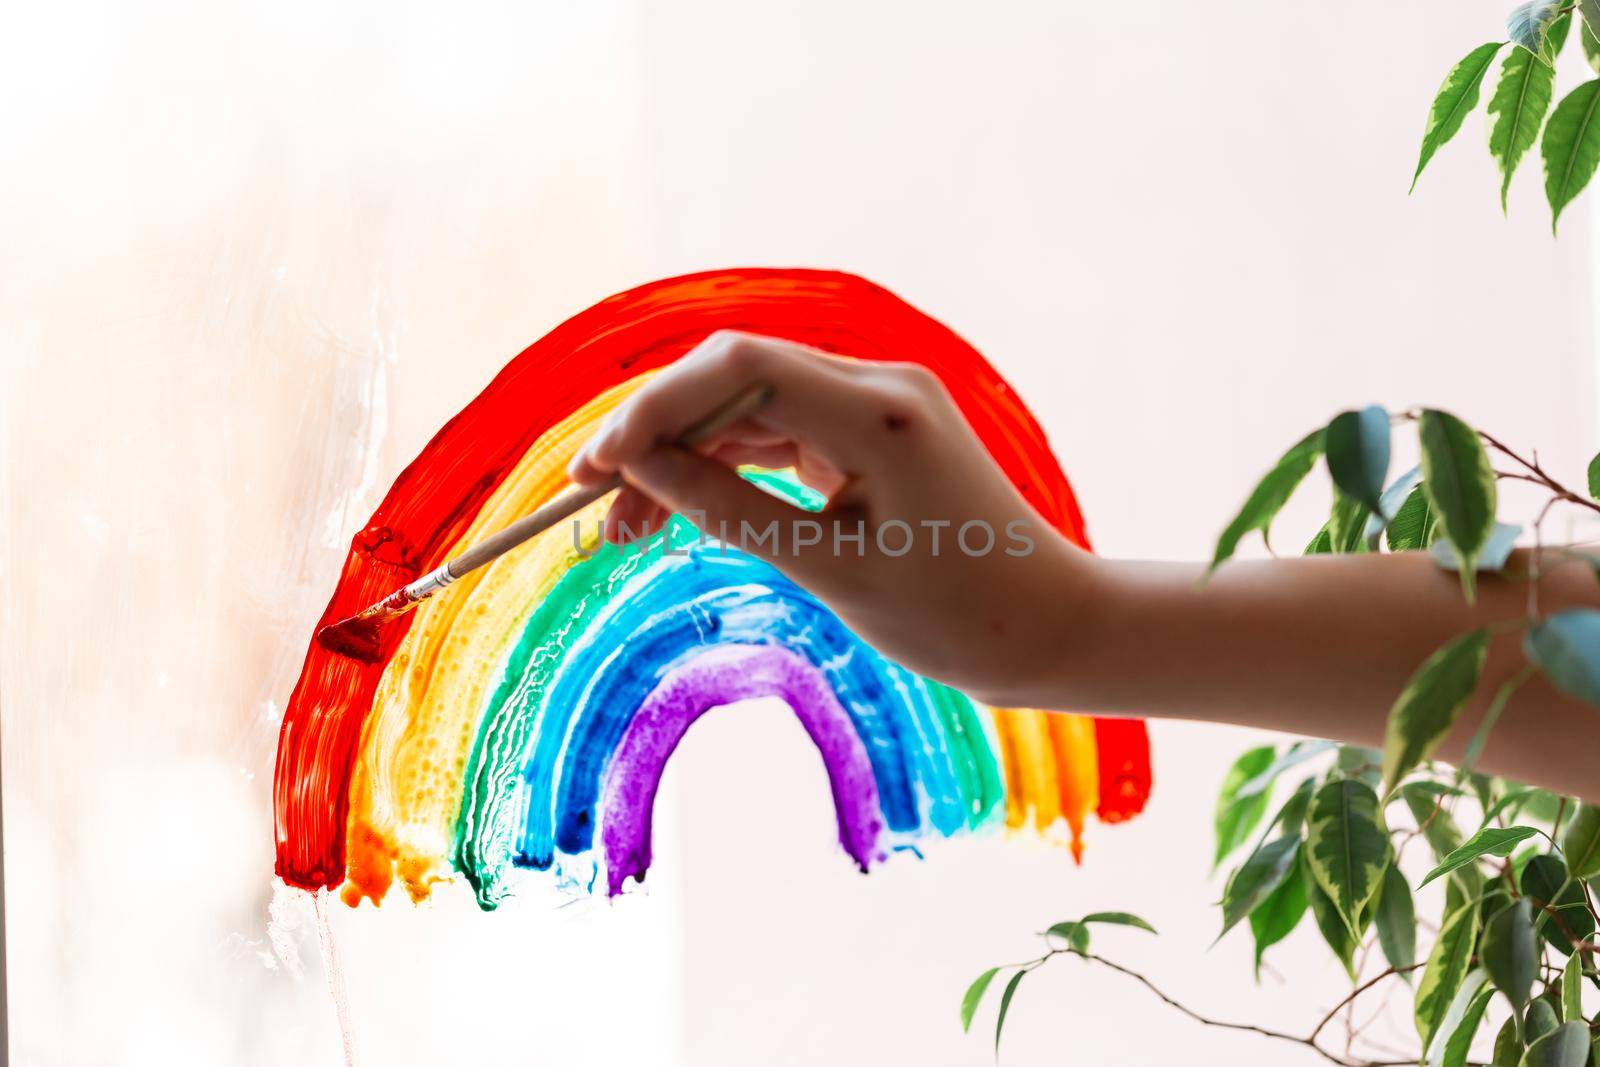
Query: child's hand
{"points": [[1319, 645], [951, 565]]}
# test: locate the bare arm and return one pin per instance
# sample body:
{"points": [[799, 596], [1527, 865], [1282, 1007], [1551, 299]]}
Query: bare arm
{"points": [[1318, 646], [1323, 646]]}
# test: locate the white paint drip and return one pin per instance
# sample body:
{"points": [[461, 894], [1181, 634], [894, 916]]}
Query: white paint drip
{"points": [[335, 976]]}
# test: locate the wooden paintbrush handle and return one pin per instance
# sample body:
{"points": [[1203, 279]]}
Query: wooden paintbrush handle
{"points": [[742, 405], [498, 544]]}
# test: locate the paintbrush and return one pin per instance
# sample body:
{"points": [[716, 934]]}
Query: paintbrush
{"points": [[360, 636]]}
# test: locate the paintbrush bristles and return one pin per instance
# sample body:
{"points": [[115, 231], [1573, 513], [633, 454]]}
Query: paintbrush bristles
{"points": [[360, 636], [356, 638]]}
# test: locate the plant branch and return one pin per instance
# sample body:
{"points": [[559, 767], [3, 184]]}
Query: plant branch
{"points": [[1357, 991], [1536, 473], [1276, 1035]]}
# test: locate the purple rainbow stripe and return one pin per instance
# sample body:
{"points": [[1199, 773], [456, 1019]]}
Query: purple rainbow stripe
{"points": [[725, 675]]}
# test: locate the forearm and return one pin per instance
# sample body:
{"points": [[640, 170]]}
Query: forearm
{"points": [[1322, 646], [1318, 646]]}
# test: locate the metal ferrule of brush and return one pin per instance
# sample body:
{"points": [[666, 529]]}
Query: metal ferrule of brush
{"points": [[430, 583]]}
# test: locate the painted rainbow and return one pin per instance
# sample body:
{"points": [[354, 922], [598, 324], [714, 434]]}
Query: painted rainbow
{"points": [[524, 718]]}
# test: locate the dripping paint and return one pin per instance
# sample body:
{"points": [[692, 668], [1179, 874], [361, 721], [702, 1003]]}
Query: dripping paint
{"points": [[524, 719]]}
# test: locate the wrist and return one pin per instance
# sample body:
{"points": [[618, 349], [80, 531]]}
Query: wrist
{"points": [[1067, 590], [1082, 588]]}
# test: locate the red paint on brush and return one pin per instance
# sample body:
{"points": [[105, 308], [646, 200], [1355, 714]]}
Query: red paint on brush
{"points": [[361, 636], [432, 503], [357, 637]]}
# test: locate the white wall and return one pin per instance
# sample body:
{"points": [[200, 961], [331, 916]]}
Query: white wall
{"points": [[1183, 232], [254, 260]]}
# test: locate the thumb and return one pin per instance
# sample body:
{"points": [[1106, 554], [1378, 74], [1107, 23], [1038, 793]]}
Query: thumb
{"points": [[730, 508]]}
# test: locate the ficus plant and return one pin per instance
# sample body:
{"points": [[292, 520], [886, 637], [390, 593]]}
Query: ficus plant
{"points": [[1511, 947], [1522, 73]]}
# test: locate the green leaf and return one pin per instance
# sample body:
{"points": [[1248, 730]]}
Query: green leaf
{"points": [[1291, 818], [974, 994], [1460, 485], [1566, 646], [1235, 819], [1594, 477], [1493, 555], [1449, 1043], [1538, 804], [1414, 526], [1551, 993], [1322, 544], [1507, 1046], [1439, 829], [1276, 917], [1490, 841], [1591, 43], [1332, 925], [1074, 933], [1446, 969], [1432, 789], [1389, 504], [1529, 24], [1482, 784], [1571, 147], [1459, 1044], [1565, 1046], [1555, 39], [1430, 703], [1510, 952], [1269, 495], [1293, 756], [1255, 880], [1357, 444], [1590, 12], [1347, 524], [1454, 100], [1517, 110], [1545, 882], [1118, 918], [1581, 842], [1572, 989], [1005, 1006], [1522, 857], [1542, 1019], [1511, 797], [1357, 761], [1396, 918], [1347, 845], [1496, 895]]}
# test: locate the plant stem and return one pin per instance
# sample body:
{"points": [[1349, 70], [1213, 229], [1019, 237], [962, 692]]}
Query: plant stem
{"points": [[1356, 992], [1276, 1035], [1536, 473]]}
